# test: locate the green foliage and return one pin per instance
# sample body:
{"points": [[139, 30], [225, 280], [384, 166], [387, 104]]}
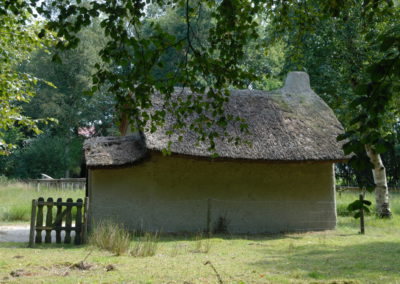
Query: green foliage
{"points": [[340, 53], [72, 77], [58, 152], [378, 93], [18, 41], [45, 154], [137, 56], [358, 205], [215, 58]]}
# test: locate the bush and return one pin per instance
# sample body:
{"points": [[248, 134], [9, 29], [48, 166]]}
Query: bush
{"points": [[110, 236]]}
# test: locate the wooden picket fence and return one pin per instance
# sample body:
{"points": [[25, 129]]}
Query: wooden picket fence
{"points": [[63, 220]]}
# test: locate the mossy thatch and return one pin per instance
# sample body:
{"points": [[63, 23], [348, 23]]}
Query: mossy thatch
{"points": [[289, 124]]}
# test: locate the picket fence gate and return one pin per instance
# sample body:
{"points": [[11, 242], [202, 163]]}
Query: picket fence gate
{"points": [[64, 221]]}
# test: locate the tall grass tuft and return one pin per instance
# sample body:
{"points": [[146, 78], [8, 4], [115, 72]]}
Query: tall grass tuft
{"points": [[201, 244], [16, 213], [146, 245], [110, 236]]}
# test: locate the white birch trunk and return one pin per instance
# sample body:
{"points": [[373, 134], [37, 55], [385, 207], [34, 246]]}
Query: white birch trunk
{"points": [[381, 188]]}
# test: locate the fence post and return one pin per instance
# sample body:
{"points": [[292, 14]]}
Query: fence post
{"points": [[85, 220], [49, 220], [39, 221], [33, 218], [362, 224], [68, 222], [58, 221], [78, 222]]}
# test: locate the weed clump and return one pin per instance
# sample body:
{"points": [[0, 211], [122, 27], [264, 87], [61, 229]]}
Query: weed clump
{"points": [[115, 238], [145, 245], [201, 244], [110, 236], [16, 213]]}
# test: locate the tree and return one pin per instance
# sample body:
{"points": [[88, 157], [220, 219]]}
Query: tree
{"points": [[16, 30], [58, 150], [339, 54], [215, 65], [377, 100], [264, 61]]}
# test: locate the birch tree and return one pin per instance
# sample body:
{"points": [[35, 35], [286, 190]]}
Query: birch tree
{"points": [[347, 57], [377, 108], [381, 188]]}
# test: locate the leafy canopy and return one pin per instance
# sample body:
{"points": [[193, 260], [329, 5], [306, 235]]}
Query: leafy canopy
{"points": [[18, 37], [211, 66]]}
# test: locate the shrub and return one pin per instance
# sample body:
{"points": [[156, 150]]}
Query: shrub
{"points": [[110, 236]]}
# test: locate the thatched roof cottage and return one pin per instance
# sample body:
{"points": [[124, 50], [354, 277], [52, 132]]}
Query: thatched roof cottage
{"points": [[283, 181]]}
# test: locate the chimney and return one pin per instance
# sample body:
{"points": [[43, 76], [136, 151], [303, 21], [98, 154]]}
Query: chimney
{"points": [[297, 82]]}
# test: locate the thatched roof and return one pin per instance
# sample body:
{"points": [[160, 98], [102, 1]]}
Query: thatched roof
{"points": [[113, 151], [289, 124]]}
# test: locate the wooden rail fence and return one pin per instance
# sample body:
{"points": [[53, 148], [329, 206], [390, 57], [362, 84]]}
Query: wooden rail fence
{"points": [[63, 220], [62, 183]]}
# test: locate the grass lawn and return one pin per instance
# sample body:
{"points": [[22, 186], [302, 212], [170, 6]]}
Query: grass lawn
{"points": [[340, 256], [16, 200]]}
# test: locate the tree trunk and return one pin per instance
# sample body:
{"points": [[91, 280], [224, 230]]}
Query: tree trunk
{"points": [[381, 188]]}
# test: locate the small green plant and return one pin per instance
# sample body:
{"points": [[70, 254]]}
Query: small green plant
{"points": [[316, 275], [359, 207], [146, 245], [110, 236]]}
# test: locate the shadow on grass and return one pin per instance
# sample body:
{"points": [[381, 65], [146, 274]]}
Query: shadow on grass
{"points": [[173, 237], [324, 261]]}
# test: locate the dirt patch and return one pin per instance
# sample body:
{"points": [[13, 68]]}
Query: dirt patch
{"points": [[20, 273], [20, 234]]}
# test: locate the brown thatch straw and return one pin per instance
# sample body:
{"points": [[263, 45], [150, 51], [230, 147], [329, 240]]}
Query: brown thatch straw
{"points": [[289, 124]]}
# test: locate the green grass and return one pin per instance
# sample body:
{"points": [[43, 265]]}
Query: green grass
{"points": [[16, 200], [343, 199], [339, 256]]}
